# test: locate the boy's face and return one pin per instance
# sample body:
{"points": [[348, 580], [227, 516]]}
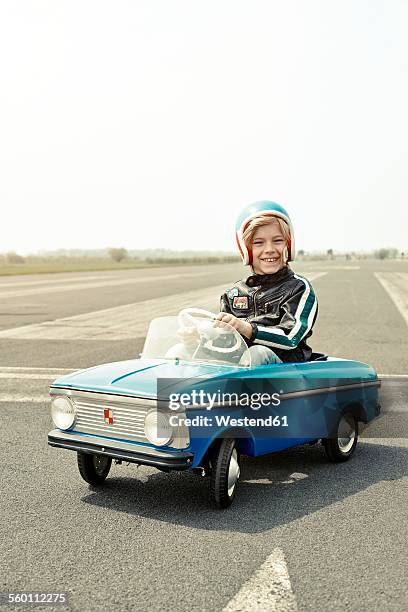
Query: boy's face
{"points": [[268, 249]]}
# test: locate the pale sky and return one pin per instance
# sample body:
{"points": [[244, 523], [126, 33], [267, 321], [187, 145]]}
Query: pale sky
{"points": [[152, 123]]}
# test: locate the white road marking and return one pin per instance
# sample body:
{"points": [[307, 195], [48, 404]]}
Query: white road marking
{"points": [[34, 369], [22, 375], [311, 275], [48, 281], [81, 285], [298, 475], [326, 267], [25, 399], [291, 479], [396, 285], [392, 375], [122, 322], [32, 373], [267, 481], [268, 590], [29, 373], [390, 442]]}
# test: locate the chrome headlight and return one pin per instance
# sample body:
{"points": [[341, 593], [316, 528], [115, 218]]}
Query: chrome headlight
{"points": [[63, 412], [157, 428]]}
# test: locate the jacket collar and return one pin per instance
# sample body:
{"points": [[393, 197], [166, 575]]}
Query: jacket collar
{"points": [[258, 280]]}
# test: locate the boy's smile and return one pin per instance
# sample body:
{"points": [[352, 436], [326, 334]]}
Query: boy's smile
{"points": [[268, 249]]}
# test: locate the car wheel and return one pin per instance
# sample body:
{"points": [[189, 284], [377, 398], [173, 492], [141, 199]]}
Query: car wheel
{"points": [[341, 447], [94, 468], [225, 472]]}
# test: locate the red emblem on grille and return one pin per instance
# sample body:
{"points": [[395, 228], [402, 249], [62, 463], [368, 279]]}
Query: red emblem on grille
{"points": [[108, 416]]}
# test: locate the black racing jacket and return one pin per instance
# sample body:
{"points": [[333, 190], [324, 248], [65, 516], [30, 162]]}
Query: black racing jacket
{"points": [[282, 309]]}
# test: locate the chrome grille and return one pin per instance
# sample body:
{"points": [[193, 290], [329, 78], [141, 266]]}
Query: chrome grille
{"points": [[128, 415]]}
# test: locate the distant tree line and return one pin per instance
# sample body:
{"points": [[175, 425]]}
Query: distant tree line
{"points": [[387, 254], [162, 256], [383, 253], [119, 254], [185, 260], [12, 258]]}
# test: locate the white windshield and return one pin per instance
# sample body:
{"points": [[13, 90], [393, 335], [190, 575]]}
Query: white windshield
{"points": [[201, 340]]}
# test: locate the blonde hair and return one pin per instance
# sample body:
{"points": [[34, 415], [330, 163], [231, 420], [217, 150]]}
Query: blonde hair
{"points": [[259, 221]]}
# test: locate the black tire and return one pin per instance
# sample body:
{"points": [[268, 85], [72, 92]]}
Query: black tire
{"points": [[225, 472], [94, 468], [342, 446]]}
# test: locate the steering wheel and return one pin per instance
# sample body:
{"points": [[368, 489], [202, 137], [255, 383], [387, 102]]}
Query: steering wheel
{"points": [[207, 330]]}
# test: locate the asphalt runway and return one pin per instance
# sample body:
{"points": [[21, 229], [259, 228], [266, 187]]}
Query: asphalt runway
{"points": [[314, 535]]}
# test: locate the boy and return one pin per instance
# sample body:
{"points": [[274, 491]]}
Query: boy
{"points": [[274, 309]]}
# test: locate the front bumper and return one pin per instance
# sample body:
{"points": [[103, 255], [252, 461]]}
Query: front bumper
{"points": [[125, 451]]}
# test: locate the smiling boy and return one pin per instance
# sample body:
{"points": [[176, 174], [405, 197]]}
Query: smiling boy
{"points": [[274, 308]]}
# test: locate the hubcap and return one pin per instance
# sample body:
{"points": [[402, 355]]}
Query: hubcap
{"points": [[233, 472], [346, 433]]}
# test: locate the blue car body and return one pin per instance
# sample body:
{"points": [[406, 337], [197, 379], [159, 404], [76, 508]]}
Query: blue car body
{"points": [[312, 396]]}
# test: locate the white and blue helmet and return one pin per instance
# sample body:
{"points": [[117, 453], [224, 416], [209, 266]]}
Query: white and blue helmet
{"points": [[265, 207]]}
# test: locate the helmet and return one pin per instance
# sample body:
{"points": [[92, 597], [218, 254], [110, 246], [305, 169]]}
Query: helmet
{"points": [[265, 207]]}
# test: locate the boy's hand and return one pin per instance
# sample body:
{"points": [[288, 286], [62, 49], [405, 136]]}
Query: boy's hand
{"points": [[189, 336], [243, 327]]}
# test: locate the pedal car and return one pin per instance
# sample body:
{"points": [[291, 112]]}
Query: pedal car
{"points": [[194, 402]]}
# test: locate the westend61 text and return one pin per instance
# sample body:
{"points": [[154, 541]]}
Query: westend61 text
{"points": [[176, 420]]}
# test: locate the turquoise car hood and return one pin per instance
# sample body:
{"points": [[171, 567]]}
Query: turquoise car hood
{"points": [[139, 377]]}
